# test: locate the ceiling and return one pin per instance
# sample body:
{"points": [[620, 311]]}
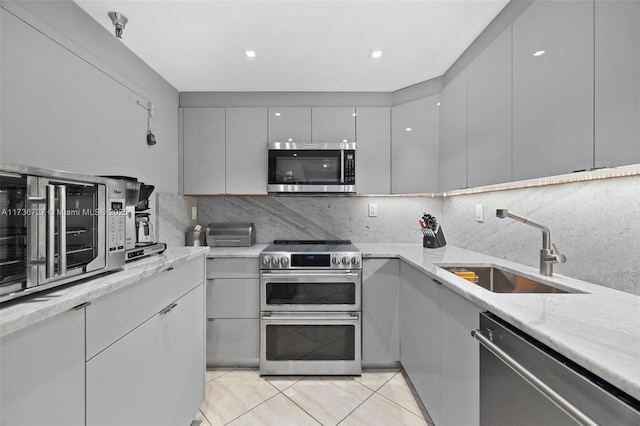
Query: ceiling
{"points": [[300, 45]]}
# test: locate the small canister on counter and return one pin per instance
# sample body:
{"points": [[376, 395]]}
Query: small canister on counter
{"points": [[197, 237]]}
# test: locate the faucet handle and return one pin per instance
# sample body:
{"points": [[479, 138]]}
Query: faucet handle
{"points": [[559, 256]]}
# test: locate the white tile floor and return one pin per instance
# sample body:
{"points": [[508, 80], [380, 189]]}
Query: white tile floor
{"points": [[378, 397]]}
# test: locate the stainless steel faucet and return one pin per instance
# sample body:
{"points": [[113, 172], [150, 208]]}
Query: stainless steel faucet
{"points": [[548, 256]]}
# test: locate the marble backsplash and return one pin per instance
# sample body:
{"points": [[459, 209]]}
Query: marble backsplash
{"points": [[174, 218], [309, 217], [596, 224]]}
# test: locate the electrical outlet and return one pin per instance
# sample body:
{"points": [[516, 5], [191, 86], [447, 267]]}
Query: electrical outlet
{"points": [[373, 210], [479, 213], [194, 213]]}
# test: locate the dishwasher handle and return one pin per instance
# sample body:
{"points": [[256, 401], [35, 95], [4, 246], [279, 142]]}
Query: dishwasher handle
{"points": [[484, 337]]}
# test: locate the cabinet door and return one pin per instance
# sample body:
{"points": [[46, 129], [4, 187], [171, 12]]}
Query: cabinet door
{"points": [[233, 298], [414, 146], [246, 169], [380, 312], [42, 371], [617, 77], [459, 361], [203, 135], [289, 124], [453, 134], [420, 335], [155, 374], [333, 124], [233, 342], [489, 114], [553, 92], [373, 153], [183, 329]]}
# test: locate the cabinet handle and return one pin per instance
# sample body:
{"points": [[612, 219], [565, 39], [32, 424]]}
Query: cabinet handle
{"points": [[170, 268], [168, 308], [436, 281], [80, 306]]}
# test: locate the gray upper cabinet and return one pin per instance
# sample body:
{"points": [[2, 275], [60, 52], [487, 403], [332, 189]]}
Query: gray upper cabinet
{"points": [[489, 114], [373, 153], [617, 83], [246, 171], [289, 124], [553, 92], [203, 141], [453, 134], [414, 141], [333, 124]]}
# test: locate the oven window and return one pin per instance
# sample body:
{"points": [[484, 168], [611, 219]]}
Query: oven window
{"points": [[305, 167], [311, 293], [13, 230], [310, 342]]}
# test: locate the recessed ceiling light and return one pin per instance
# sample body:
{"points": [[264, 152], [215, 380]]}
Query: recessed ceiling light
{"points": [[438, 104], [375, 54], [408, 129], [291, 140], [250, 53], [539, 53], [354, 114], [278, 114]]}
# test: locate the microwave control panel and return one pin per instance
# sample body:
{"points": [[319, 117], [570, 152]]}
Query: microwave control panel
{"points": [[116, 225], [349, 167]]}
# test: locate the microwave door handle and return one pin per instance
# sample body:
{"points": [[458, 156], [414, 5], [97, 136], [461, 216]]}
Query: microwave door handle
{"points": [[51, 231], [62, 230], [342, 167]]}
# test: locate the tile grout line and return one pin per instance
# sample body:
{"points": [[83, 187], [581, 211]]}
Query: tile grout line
{"points": [[250, 410], [296, 404], [382, 385], [407, 410]]}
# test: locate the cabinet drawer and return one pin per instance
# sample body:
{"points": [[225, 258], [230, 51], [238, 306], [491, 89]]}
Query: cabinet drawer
{"points": [[244, 267], [233, 342], [111, 317], [233, 298]]}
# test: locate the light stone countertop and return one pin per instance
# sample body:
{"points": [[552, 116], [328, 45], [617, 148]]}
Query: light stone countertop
{"points": [[20, 313], [253, 251], [598, 329]]}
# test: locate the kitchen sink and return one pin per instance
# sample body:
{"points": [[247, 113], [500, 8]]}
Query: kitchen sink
{"points": [[499, 280]]}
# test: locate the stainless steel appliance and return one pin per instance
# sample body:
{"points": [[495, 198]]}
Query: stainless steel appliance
{"points": [[311, 167], [57, 227], [526, 383], [140, 236], [311, 306], [233, 234]]}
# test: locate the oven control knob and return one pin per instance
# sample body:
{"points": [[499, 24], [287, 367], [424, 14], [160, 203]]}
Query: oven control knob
{"points": [[355, 260], [336, 260], [284, 260], [266, 260], [346, 260], [276, 260]]}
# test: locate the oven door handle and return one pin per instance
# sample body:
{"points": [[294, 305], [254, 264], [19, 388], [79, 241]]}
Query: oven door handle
{"points": [[311, 275], [351, 316]]}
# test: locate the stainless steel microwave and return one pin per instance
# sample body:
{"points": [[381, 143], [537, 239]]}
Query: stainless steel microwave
{"points": [[311, 167], [57, 227]]}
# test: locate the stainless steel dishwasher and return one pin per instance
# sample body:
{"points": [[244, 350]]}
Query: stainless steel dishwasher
{"points": [[523, 382]]}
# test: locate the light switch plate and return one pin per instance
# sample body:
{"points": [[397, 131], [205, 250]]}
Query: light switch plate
{"points": [[194, 213], [373, 210], [479, 213]]}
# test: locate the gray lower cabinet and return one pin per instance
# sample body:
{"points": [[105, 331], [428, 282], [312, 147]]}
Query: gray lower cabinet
{"points": [[553, 95], [414, 153], [617, 83], [459, 361], [233, 328], [420, 335], [153, 375], [380, 312], [373, 154], [42, 373]]}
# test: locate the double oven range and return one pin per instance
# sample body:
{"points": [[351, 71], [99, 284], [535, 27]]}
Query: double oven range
{"points": [[311, 306]]}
